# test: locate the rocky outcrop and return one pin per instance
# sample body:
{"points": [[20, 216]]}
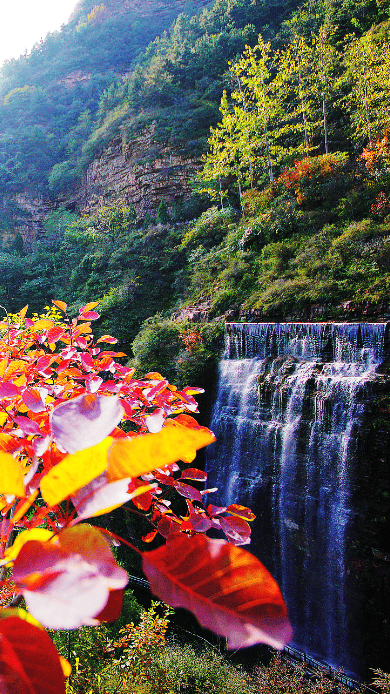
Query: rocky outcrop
{"points": [[77, 77], [141, 172], [30, 218]]}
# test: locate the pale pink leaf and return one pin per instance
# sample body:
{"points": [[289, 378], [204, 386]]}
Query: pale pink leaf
{"points": [[85, 421], [66, 582]]}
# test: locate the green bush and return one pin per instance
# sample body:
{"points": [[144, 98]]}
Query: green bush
{"points": [[194, 671], [211, 228]]}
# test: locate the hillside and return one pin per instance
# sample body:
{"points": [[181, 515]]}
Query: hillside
{"points": [[106, 192]]}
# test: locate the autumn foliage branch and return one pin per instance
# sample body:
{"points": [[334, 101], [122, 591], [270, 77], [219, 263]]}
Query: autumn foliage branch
{"points": [[80, 436]]}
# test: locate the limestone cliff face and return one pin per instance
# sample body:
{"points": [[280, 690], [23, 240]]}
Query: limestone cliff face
{"points": [[141, 172]]}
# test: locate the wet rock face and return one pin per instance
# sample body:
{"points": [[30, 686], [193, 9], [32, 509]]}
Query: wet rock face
{"points": [[141, 172]]}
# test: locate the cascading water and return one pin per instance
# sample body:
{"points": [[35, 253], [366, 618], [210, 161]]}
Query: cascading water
{"points": [[290, 401]]}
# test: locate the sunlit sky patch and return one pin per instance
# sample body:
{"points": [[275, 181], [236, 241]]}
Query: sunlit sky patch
{"points": [[24, 22]]}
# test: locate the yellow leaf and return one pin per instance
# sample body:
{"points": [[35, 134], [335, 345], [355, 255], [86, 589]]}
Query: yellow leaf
{"points": [[3, 366], [15, 366], [11, 478], [144, 453], [66, 667], [40, 534], [20, 381], [74, 471]]}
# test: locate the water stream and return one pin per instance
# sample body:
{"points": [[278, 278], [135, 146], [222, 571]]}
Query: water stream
{"points": [[291, 398]]}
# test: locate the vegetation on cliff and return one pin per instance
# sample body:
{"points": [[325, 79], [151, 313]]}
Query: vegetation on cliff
{"points": [[289, 216]]}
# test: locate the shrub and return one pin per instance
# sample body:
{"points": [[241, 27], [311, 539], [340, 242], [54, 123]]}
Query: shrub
{"points": [[194, 671], [211, 227]]}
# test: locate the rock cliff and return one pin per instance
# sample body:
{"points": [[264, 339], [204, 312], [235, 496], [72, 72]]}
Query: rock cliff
{"points": [[141, 172]]}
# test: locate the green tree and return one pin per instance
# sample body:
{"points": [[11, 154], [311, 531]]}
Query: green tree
{"points": [[259, 102], [324, 64], [296, 83], [367, 75], [227, 155]]}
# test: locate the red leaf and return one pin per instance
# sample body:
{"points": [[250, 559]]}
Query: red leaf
{"points": [[193, 474], [236, 529], [227, 589], [13, 678], [44, 362], [187, 491], [113, 608], [29, 661], [241, 511], [150, 536], [90, 315], [200, 522], [88, 307], [215, 510], [166, 527], [27, 425], [33, 400], [54, 334], [142, 501], [87, 362], [8, 390]]}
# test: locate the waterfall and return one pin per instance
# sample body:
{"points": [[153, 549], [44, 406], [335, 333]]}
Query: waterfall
{"points": [[291, 399]]}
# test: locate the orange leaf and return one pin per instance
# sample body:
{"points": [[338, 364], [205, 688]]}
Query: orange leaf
{"points": [[88, 307], [144, 453], [241, 511], [107, 338], [23, 311], [227, 589], [43, 324]]}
